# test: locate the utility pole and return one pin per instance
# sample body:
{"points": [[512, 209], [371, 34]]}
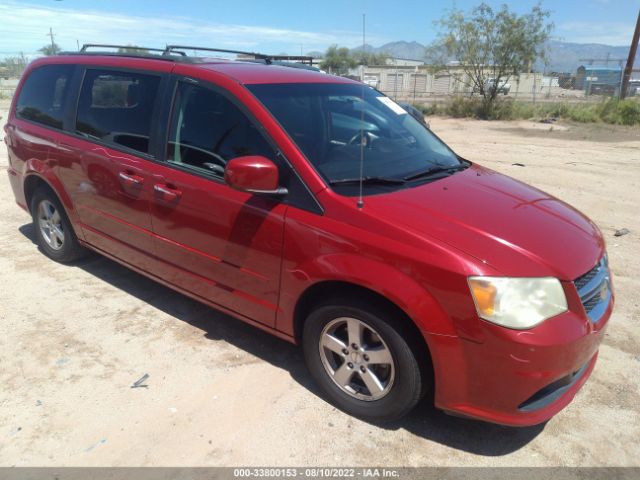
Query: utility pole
{"points": [[50, 35], [632, 55]]}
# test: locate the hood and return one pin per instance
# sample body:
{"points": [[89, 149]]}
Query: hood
{"points": [[517, 229]]}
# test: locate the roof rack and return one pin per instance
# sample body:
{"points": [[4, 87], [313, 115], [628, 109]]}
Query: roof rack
{"points": [[178, 53], [126, 48], [172, 49], [129, 51]]}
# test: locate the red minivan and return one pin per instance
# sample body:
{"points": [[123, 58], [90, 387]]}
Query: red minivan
{"points": [[315, 208]]}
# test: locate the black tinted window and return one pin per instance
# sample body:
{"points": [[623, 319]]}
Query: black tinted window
{"points": [[207, 130], [43, 94], [117, 107], [341, 127]]}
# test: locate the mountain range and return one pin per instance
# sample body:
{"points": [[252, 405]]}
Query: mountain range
{"points": [[562, 56]]}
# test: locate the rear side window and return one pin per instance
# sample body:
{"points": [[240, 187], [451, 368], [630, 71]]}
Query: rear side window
{"points": [[43, 95], [117, 107], [207, 130]]}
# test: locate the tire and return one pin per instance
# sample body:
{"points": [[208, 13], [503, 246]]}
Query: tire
{"points": [[54, 233], [399, 386]]}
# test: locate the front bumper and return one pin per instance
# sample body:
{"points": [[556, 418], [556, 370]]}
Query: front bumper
{"points": [[516, 378]]}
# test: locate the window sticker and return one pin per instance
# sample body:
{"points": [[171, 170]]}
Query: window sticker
{"points": [[392, 105]]}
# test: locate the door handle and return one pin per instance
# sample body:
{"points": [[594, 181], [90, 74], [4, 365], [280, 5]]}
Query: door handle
{"points": [[167, 193], [130, 179]]}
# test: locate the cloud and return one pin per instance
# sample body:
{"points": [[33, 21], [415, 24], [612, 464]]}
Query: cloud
{"points": [[608, 33], [28, 25]]}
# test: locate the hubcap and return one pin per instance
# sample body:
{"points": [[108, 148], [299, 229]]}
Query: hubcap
{"points": [[357, 359], [50, 224]]}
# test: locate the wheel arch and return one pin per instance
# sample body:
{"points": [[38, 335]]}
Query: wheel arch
{"points": [[32, 183], [326, 275], [35, 180], [37, 170], [322, 291]]}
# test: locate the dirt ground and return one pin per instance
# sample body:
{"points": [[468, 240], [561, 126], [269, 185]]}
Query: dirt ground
{"points": [[73, 339]]}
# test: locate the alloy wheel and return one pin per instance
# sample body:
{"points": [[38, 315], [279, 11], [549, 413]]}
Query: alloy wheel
{"points": [[50, 224], [357, 359]]}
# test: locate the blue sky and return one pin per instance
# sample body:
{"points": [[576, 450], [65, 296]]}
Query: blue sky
{"points": [[275, 26]]}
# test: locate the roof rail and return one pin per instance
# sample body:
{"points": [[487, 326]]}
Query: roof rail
{"points": [[179, 49], [177, 53], [126, 48]]}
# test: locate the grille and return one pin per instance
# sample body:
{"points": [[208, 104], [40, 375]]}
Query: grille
{"points": [[590, 304], [587, 277], [594, 290]]}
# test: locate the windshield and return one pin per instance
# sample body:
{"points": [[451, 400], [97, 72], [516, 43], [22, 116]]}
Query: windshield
{"points": [[331, 122]]}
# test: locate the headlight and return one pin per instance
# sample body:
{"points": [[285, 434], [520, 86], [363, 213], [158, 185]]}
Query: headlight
{"points": [[518, 303]]}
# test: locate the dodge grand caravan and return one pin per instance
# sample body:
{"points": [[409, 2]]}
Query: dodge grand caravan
{"points": [[315, 208]]}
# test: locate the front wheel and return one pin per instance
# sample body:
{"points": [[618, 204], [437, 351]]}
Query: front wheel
{"points": [[362, 363]]}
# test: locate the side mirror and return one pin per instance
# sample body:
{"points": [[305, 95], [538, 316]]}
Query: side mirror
{"points": [[253, 174]]}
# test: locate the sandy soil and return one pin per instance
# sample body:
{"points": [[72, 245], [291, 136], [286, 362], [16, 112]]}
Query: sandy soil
{"points": [[74, 338]]}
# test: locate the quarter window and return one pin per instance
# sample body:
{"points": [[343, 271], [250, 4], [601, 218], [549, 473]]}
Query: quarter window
{"points": [[207, 130], [117, 107], [42, 97]]}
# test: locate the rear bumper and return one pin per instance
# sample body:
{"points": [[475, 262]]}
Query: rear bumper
{"points": [[516, 378], [17, 185]]}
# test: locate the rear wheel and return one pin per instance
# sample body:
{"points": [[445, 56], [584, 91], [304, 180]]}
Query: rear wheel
{"points": [[54, 233], [363, 364]]}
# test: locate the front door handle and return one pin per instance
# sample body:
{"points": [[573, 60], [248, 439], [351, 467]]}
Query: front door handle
{"points": [[130, 179], [167, 193]]}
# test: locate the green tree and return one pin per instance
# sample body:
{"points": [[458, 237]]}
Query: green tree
{"points": [[50, 49], [492, 45], [370, 58], [338, 60]]}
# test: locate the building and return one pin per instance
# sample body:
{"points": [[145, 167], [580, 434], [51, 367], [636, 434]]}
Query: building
{"points": [[412, 78], [595, 79], [404, 62], [422, 82]]}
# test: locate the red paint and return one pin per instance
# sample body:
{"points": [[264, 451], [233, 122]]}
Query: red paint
{"points": [[254, 256], [251, 173]]}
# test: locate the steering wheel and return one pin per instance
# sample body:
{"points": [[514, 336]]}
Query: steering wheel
{"points": [[224, 136], [218, 165], [365, 137]]}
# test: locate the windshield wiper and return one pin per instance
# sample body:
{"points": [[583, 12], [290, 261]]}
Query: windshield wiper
{"points": [[368, 181], [435, 170]]}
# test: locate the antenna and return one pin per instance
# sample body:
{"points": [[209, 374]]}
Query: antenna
{"points": [[360, 201]]}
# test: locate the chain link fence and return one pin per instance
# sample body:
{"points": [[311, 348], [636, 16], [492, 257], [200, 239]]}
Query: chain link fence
{"points": [[10, 70], [420, 84]]}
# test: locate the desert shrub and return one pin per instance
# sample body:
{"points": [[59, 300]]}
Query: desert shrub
{"points": [[463, 107], [584, 113], [499, 110], [428, 108], [613, 111], [622, 112]]}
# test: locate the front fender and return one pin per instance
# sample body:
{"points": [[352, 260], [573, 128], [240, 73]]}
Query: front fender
{"points": [[379, 277]]}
